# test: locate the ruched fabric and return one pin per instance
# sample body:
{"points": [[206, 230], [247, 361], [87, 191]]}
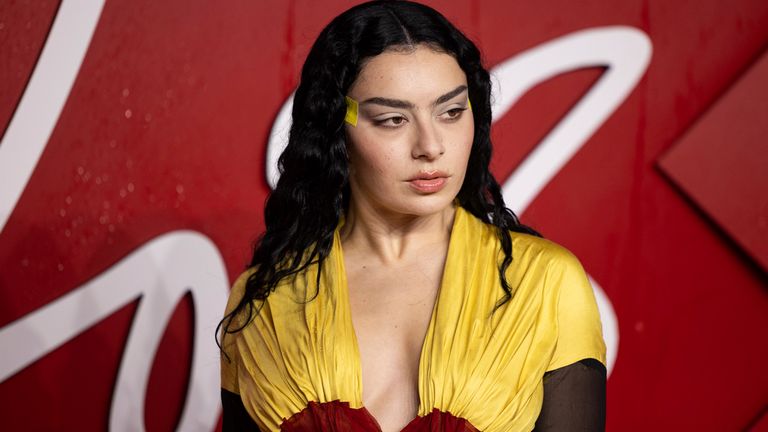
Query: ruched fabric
{"points": [[481, 367]]}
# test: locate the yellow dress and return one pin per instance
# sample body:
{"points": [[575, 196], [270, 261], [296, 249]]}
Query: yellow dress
{"points": [[476, 364]]}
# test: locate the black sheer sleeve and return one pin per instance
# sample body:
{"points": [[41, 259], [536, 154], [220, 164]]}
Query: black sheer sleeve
{"points": [[235, 417], [574, 398]]}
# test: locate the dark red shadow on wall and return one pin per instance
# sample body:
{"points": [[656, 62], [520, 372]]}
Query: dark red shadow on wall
{"points": [[721, 163]]}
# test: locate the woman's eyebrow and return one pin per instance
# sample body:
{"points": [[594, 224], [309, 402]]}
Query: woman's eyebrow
{"points": [[392, 103], [450, 95], [398, 103]]}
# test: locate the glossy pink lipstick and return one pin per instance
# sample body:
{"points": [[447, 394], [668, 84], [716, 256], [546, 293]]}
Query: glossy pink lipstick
{"points": [[428, 182]]}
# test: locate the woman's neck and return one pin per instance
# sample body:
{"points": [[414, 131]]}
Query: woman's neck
{"points": [[392, 237]]}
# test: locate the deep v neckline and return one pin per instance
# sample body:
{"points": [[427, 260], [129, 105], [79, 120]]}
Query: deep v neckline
{"points": [[423, 354]]}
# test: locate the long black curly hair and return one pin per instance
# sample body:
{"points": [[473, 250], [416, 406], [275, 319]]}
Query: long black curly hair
{"points": [[303, 211]]}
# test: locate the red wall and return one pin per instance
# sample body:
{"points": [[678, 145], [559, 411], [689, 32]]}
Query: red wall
{"points": [[159, 148]]}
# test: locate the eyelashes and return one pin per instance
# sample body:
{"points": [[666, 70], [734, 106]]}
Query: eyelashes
{"points": [[397, 121], [390, 122], [454, 113]]}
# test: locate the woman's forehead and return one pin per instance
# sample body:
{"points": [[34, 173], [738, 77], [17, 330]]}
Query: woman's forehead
{"points": [[415, 74]]}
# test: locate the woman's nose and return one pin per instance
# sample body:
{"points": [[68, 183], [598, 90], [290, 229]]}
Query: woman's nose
{"points": [[428, 143]]}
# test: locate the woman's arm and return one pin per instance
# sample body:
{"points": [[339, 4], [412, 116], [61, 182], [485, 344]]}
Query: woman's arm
{"points": [[574, 398], [235, 417]]}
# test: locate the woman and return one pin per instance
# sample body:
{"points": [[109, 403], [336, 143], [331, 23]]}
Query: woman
{"points": [[392, 289]]}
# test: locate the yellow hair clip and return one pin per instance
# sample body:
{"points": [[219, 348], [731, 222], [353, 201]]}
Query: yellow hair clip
{"points": [[351, 116], [469, 103]]}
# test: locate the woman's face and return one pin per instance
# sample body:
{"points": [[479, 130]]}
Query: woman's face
{"points": [[408, 152]]}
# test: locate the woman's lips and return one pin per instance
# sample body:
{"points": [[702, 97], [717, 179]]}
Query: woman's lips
{"points": [[429, 182]]}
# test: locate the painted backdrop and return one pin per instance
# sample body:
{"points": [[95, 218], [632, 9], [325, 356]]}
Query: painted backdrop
{"points": [[138, 146]]}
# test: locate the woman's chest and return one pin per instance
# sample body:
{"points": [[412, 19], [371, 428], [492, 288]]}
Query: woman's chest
{"points": [[391, 313], [388, 347]]}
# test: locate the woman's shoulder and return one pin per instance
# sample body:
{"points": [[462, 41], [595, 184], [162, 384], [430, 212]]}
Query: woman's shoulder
{"points": [[237, 293], [529, 250], [238, 286], [290, 294]]}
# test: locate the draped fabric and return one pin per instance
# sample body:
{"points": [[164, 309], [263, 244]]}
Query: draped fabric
{"points": [[480, 368]]}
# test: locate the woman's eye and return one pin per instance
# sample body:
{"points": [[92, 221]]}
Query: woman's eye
{"points": [[390, 122], [453, 114]]}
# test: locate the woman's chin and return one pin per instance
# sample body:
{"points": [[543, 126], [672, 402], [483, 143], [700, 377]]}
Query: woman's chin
{"points": [[423, 206], [404, 202]]}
